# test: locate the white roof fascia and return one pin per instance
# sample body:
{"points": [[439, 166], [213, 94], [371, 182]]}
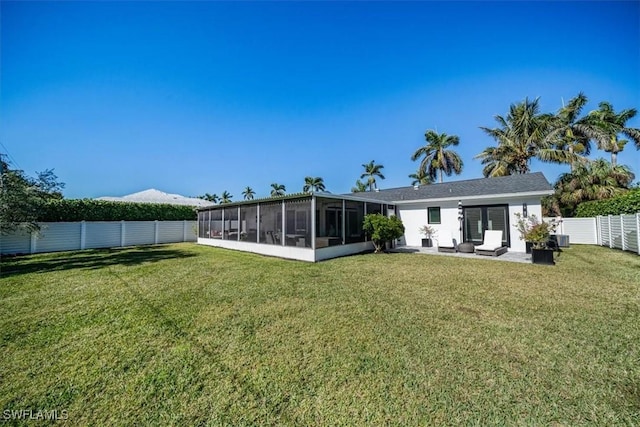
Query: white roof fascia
{"points": [[485, 196]]}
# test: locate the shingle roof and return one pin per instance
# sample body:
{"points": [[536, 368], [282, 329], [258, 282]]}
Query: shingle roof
{"points": [[525, 183]]}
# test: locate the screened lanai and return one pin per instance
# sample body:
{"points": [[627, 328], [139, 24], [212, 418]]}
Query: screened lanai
{"points": [[309, 227]]}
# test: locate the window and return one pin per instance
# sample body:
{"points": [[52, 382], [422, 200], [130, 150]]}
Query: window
{"points": [[433, 215]]}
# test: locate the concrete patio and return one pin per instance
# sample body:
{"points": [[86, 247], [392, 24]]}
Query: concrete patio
{"points": [[508, 256]]}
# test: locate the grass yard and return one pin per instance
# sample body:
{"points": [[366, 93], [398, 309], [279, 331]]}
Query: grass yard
{"points": [[192, 335]]}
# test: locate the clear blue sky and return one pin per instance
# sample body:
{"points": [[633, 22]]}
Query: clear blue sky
{"points": [[198, 97]]}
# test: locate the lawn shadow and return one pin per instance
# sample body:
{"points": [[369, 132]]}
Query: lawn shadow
{"points": [[92, 259]]}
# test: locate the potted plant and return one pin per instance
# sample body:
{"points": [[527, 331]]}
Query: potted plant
{"points": [[428, 232], [536, 233]]}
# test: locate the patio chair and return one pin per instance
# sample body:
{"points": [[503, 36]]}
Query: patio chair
{"points": [[446, 242], [492, 244]]}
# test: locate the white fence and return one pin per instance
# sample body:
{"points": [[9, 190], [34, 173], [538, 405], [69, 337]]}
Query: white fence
{"points": [[615, 231], [68, 236]]}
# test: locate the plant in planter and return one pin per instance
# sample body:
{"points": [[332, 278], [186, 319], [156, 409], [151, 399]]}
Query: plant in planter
{"points": [[536, 232], [428, 232]]}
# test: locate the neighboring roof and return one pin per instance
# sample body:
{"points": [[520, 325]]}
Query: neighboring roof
{"points": [[531, 183], [155, 196]]}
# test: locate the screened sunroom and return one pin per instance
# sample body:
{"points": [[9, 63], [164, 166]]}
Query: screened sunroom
{"points": [[308, 227]]}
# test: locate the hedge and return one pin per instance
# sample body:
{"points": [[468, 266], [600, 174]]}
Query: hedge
{"points": [[69, 210], [627, 203]]}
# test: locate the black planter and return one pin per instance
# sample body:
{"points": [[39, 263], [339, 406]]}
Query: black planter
{"points": [[542, 256], [427, 243], [528, 246]]}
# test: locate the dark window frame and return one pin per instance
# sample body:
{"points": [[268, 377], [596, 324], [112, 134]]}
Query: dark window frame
{"points": [[429, 215]]}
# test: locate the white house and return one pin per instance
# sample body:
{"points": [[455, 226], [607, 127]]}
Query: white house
{"points": [[313, 227], [468, 208]]}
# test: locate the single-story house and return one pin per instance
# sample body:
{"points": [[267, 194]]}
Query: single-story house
{"points": [[468, 208], [317, 226]]}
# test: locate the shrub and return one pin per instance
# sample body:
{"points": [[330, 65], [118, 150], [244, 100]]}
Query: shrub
{"points": [[382, 229], [627, 203], [533, 230], [101, 210]]}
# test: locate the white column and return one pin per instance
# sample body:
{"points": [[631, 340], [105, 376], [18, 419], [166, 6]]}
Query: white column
{"points": [[239, 225], [610, 235], [282, 234], [184, 229], [83, 235], [258, 223], [638, 231], [122, 232], [624, 248], [313, 223], [344, 214]]}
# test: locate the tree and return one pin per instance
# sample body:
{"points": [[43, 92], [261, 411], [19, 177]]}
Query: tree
{"points": [[22, 197], [225, 197], [521, 137], [420, 178], [277, 190], [359, 187], [210, 197], [248, 193], [595, 180], [371, 171], [313, 184], [609, 125], [436, 156], [382, 229], [571, 133]]}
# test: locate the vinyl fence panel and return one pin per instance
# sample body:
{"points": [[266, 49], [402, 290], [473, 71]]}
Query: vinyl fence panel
{"points": [[64, 236]]}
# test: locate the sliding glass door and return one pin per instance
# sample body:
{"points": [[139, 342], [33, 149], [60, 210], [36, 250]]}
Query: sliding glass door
{"points": [[477, 219]]}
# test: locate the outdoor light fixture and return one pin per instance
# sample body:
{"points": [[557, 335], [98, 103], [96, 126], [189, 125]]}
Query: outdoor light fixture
{"points": [[524, 210]]}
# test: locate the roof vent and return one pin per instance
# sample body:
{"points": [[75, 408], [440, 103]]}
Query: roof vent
{"points": [[415, 187], [377, 190]]}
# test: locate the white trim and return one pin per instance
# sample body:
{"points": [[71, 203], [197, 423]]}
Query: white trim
{"points": [[482, 197]]}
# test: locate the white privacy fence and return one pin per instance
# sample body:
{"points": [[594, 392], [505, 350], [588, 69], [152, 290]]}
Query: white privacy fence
{"points": [[615, 231], [68, 236]]}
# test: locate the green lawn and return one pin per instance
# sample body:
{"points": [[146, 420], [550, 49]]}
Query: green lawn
{"points": [[190, 335]]}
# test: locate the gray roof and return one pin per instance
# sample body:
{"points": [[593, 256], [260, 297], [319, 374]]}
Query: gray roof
{"points": [[524, 183]]}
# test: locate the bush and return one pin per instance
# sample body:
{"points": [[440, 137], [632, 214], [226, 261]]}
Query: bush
{"points": [[101, 210], [627, 203], [382, 229]]}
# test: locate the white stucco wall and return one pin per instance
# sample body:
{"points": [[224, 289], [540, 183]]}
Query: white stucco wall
{"points": [[414, 216]]}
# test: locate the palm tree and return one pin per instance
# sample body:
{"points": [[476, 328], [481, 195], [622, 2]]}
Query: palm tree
{"points": [[226, 197], [210, 197], [277, 190], [420, 178], [359, 187], [313, 184], [436, 156], [591, 181], [371, 171], [521, 137], [248, 193], [609, 125], [571, 133]]}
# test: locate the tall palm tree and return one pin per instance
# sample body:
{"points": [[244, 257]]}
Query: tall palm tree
{"points": [[360, 187], [313, 184], [591, 181], [277, 190], [421, 177], [571, 133], [210, 197], [437, 158], [225, 197], [611, 124], [521, 136], [248, 193], [371, 171]]}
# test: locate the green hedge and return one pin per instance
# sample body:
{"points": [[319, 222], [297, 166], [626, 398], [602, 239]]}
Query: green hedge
{"points": [[102, 210], [628, 203]]}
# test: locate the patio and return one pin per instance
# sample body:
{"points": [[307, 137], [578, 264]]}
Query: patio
{"points": [[508, 256]]}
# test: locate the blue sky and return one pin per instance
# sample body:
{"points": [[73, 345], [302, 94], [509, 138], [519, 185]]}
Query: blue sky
{"points": [[198, 97]]}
